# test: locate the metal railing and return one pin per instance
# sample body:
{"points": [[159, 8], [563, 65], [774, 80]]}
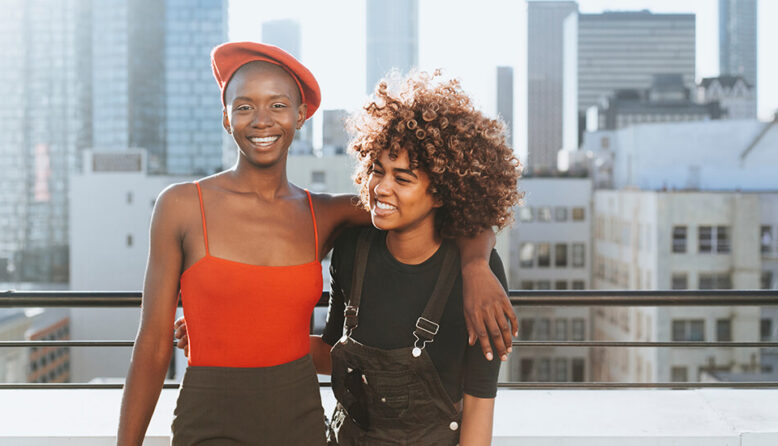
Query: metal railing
{"points": [[77, 299]]}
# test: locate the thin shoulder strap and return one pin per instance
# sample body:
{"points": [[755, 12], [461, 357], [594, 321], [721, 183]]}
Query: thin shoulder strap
{"points": [[357, 278], [315, 229], [427, 325], [202, 214]]}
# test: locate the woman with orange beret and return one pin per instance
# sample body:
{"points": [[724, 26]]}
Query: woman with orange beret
{"points": [[242, 249]]}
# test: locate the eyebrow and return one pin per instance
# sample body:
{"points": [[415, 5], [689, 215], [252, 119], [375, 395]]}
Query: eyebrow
{"points": [[408, 171], [275, 96]]}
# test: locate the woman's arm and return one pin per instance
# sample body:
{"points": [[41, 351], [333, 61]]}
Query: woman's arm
{"points": [[477, 419], [153, 346], [320, 352], [485, 300]]}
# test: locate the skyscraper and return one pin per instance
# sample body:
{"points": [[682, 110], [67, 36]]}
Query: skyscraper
{"points": [[284, 34], [550, 25], [505, 99], [392, 38], [737, 40], [623, 50], [44, 85], [110, 74]]}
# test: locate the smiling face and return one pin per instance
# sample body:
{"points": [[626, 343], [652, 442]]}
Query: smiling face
{"points": [[263, 111], [400, 199]]}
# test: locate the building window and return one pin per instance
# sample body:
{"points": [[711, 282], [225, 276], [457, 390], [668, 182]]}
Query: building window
{"points": [[526, 255], [543, 329], [578, 329], [714, 239], [560, 285], [579, 285], [560, 214], [129, 197], [577, 370], [679, 375], [689, 330], [579, 254], [766, 280], [680, 281], [560, 370], [560, 255], [525, 214], [527, 285], [318, 177], [525, 329], [544, 214], [766, 329], [544, 369], [527, 370], [579, 214], [129, 240], [722, 281], [766, 239], [723, 330], [544, 255], [679, 239], [560, 329], [543, 285]]}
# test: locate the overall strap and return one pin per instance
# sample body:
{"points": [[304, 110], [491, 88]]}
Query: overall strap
{"points": [[364, 240], [202, 214], [427, 325], [315, 229]]}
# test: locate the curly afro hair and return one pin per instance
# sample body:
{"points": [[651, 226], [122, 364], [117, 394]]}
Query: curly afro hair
{"points": [[472, 171]]}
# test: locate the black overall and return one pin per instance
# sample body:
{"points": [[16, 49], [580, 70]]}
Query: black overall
{"points": [[396, 395]]}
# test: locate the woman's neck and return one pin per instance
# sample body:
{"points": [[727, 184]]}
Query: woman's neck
{"points": [[413, 246], [267, 183]]}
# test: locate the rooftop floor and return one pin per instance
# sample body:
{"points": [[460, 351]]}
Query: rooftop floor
{"points": [[704, 417]]}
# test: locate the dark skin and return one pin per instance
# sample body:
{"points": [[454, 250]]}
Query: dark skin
{"points": [[256, 216]]}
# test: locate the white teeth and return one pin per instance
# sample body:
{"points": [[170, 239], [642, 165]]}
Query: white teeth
{"points": [[266, 140], [382, 205]]}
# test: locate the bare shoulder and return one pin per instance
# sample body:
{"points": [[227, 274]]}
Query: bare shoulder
{"points": [[175, 204]]}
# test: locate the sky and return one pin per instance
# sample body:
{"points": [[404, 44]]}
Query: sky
{"points": [[469, 39]]}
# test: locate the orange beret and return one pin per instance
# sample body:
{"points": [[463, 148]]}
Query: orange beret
{"points": [[228, 57]]}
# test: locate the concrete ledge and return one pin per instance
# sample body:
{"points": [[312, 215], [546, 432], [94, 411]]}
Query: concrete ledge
{"points": [[705, 417]]}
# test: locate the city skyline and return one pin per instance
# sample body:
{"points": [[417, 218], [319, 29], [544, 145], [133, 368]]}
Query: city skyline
{"points": [[448, 28]]}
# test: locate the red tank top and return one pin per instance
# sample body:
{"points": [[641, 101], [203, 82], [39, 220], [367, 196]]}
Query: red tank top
{"points": [[242, 315]]}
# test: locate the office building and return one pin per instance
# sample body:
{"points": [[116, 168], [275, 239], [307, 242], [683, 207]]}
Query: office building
{"points": [[505, 99], [623, 50], [736, 97], [667, 100], [551, 71], [549, 249], [392, 38], [737, 41]]}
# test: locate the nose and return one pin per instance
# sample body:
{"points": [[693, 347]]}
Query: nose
{"points": [[382, 187], [262, 119]]}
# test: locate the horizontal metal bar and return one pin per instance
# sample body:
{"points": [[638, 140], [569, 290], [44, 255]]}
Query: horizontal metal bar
{"points": [[662, 385], [504, 385], [641, 298], [60, 344], [639, 344]]}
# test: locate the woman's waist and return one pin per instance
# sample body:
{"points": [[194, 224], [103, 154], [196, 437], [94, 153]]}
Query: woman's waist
{"points": [[247, 379]]}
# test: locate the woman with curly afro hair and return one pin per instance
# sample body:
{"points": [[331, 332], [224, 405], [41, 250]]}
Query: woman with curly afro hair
{"points": [[430, 168]]}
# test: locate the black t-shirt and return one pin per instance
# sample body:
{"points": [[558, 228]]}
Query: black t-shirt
{"points": [[393, 298]]}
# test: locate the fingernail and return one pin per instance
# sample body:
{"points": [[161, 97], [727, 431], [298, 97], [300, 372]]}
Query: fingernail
{"points": [[516, 333], [489, 356], [504, 357], [510, 349]]}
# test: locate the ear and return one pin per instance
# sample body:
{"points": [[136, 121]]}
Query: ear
{"points": [[436, 201], [302, 111], [226, 121]]}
